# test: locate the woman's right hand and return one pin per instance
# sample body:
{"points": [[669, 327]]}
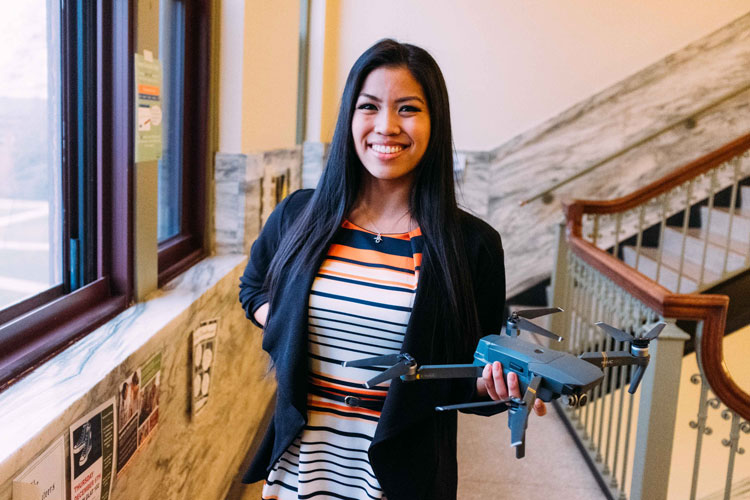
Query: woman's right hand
{"points": [[261, 314]]}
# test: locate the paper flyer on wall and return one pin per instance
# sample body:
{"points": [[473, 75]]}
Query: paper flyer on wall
{"points": [[92, 448], [148, 101], [128, 402], [204, 357], [148, 413], [138, 409], [44, 478]]}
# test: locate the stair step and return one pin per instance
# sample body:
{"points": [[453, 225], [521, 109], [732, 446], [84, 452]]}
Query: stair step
{"points": [[720, 223], [715, 250], [745, 198], [668, 274]]}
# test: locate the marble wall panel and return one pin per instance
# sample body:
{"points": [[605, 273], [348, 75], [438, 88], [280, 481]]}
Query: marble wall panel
{"points": [[314, 157], [282, 174], [661, 118], [185, 458], [229, 204]]}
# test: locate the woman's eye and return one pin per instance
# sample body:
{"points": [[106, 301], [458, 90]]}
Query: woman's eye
{"points": [[367, 106], [409, 109]]}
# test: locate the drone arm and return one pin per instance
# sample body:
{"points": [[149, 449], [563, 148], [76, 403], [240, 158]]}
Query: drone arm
{"points": [[428, 372], [613, 358]]}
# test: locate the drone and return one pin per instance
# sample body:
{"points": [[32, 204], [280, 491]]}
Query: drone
{"points": [[542, 373]]}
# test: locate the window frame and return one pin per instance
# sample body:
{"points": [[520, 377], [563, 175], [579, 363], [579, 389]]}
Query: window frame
{"points": [[41, 326], [178, 253]]}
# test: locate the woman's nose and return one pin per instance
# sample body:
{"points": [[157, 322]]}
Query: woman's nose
{"points": [[386, 123]]}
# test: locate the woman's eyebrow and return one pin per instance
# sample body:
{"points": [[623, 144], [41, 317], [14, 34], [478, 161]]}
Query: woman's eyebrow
{"points": [[400, 99]]}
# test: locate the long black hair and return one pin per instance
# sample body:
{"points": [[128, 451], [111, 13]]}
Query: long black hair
{"points": [[432, 202]]}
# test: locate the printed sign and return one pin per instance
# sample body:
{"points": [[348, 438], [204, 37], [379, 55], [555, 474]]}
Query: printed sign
{"points": [[92, 449], [204, 357], [44, 479], [148, 114]]}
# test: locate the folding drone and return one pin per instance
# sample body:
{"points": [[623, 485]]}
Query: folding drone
{"points": [[543, 373]]}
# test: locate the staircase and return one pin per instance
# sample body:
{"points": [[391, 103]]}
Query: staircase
{"points": [[693, 259]]}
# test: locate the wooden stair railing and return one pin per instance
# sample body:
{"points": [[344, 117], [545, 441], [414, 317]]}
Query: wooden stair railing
{"points": [[710, 309]]}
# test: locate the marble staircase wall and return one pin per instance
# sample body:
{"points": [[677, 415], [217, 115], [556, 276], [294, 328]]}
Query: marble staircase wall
{"points": [[619, 140]]}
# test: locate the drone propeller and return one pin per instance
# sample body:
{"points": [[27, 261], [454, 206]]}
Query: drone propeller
{"points": [[524, 324], [388, 359], [622, 336], [535, 313]]}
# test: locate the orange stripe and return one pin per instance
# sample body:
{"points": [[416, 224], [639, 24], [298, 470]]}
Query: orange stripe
{"points": [[349, 409], [372, 256], [360, 419], [406, 273], [366, 279], [344, 388]]}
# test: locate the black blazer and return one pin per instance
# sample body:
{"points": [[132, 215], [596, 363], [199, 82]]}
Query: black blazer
{"points": [[413, 453]]}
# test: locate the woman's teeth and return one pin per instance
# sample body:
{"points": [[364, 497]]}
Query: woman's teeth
{"points": [[378, 148]]}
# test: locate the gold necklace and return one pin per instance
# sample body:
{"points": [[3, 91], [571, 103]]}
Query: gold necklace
{"points": [[378, 237]]}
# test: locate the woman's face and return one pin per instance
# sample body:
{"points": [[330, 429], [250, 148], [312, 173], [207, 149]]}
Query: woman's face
{"points": [[391, 124]]}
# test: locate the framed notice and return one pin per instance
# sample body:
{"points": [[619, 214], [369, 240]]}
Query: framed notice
{"points": [[44, 478]]}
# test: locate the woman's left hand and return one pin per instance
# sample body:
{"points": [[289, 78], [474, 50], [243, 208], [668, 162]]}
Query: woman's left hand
{"points": [[492, 384]]}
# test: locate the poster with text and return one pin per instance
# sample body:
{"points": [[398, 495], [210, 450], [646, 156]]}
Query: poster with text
{"points": [[92, 448], [148, 412], [128, 402], [44, 478], [204, 358], [148, 102]]}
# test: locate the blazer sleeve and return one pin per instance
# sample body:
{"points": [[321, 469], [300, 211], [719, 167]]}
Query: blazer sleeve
{"points": [[489, 297], [253, 293]]}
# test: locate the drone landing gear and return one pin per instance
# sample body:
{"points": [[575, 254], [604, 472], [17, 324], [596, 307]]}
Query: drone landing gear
{"points": [[518, 417]]}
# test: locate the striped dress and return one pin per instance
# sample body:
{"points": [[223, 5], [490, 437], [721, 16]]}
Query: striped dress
{"points": [[359, 306]]}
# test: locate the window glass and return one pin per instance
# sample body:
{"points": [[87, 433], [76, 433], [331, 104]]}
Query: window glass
{"points": [[30, 149], [171, 54]]}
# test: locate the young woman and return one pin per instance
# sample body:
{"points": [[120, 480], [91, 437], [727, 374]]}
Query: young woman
{"points": [[378, 259]]}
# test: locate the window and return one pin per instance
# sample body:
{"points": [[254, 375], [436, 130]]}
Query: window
{"points": [[66, 160], [64, 149], [183, 50]]}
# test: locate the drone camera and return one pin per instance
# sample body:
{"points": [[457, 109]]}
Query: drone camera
{"points": [[575, 400]]}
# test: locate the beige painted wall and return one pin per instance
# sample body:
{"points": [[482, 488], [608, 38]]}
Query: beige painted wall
{"points": [[510, 65], [269, 74]]}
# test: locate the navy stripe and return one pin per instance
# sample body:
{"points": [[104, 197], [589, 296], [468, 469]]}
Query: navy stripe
{"points": [[334, 320], [352, 341], [366, 241], [361, 301], [330, 493], [365, 283], [289, 487], [345, 349], [363, 479], [342, 413], [339, 432], [326, 443], [323, 460], [328, 328], [370, 264], [378, 320]]}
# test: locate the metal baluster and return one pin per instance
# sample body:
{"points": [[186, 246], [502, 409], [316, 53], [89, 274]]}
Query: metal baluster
{"points": [[663, 225], [611, 392], [618, 223], [714, 186], [700, 425], [733, 199], [685, 222], [595, 232], [604, 343], [639, 235], [733, 444]]}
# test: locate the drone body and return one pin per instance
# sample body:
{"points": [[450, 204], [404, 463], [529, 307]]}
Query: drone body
{"points": [[542, 373]]}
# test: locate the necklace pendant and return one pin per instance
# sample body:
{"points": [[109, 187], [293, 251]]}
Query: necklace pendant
{"points": [[378, 239]]}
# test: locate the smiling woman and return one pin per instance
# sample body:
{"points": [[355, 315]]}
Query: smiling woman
{"points": [[377, 260]]}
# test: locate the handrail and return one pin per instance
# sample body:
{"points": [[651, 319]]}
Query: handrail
{"points": [[660, 186], [710, 309]]}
